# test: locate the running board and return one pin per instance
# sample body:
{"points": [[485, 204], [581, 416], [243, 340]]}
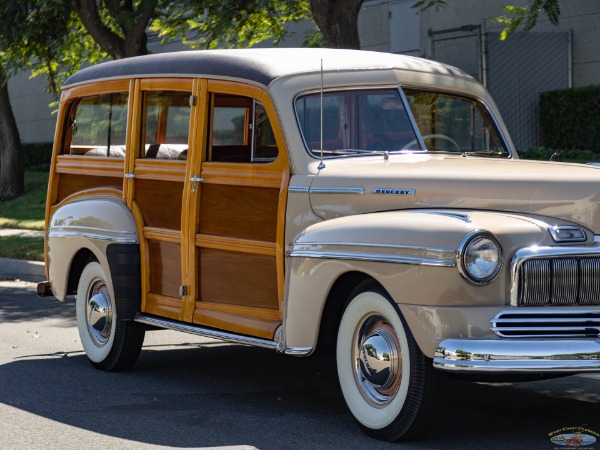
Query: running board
{"points": [[169, 324]]}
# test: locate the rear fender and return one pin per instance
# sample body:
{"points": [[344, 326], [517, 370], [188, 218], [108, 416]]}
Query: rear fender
{"points": [[90, 225]]}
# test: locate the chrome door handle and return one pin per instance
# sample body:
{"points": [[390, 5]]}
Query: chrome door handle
{"points": [[195, 180]]}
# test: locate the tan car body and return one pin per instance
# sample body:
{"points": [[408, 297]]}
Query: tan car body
{"points": [[397, 219]]}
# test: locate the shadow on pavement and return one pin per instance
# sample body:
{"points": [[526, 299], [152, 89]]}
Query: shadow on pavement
{"points": [[203, 395], [19, 302]]}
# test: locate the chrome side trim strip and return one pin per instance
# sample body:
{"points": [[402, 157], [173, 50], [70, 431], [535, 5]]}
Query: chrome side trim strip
{"points": [[527, 253], [372, 257], [518, 356], [121, 236], [300, 189], [222, 335], [320, 245], [337, 190]]}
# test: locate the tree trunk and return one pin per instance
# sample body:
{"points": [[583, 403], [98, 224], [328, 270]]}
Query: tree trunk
{"points": [[134, 42], [12, 182], [338, 21]]}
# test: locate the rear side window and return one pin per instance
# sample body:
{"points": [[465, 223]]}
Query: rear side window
{"points": [[97, 126], [165, 125]]}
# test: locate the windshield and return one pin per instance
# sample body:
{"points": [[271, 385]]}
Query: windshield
{"points": [[366, 121], [451, 123]]}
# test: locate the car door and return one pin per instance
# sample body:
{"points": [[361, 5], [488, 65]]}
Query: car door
{"points": [[156, 175], [236, 209]]}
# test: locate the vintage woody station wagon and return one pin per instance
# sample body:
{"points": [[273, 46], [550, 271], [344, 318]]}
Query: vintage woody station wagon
{"points": [[363, 203]]}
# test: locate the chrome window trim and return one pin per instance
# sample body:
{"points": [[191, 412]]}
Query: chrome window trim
{"points": [[330, 251], [121, 236], [527, 253]]}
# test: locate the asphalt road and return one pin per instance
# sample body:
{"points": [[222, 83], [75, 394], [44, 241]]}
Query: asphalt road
{"points": [[189, 392]]}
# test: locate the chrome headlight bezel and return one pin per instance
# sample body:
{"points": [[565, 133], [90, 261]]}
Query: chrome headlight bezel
{"points": [[465, 260]]}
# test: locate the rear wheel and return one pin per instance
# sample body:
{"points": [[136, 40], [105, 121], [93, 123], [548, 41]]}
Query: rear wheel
{"points": [[389, 386], [109, 343]]}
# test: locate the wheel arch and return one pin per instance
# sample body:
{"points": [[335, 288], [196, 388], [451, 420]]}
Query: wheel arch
{"points": [[334, 307]]}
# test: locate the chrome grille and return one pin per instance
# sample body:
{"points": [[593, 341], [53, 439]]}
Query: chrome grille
{"points": [[564, 281], [547, 323]]}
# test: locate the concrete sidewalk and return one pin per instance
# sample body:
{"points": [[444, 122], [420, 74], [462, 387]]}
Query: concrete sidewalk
{"points": [[11, 269]]}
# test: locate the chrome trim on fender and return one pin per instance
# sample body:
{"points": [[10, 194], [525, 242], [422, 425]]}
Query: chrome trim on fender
{"points": [[222, 335], [299, 189], [337, 190], [517, 356], [121, 236], [421, 256]]}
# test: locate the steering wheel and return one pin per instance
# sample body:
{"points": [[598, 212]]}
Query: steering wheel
{"points": [[434, 136]]}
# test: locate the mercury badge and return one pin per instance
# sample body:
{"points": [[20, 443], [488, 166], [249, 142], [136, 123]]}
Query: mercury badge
{"points": [[393, 191]]}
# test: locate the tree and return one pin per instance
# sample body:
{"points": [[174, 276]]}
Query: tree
{"points": [[517, 15], [338, 21], [12, 183]]}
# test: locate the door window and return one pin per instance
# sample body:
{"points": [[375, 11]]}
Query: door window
{"points": [[165, 125], [241, 131]]}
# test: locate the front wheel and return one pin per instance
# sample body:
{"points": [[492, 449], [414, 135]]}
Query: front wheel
{"points": [[389, 386], [109, 343]]}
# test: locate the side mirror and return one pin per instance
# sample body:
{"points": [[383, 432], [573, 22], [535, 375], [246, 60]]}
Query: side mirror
{"points": [[556, 157]]}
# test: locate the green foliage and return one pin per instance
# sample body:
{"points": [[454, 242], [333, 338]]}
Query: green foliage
{"points": [[37, 154], [28, 210], [528, 15], [228, 23], [570, 155], [569, 118], [47, 37]]}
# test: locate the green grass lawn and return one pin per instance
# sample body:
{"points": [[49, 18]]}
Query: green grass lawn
{"points": [[26, 211], [22, 248]]}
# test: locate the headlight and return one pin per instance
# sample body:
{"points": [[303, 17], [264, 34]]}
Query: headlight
{"points": [[480, 257]]}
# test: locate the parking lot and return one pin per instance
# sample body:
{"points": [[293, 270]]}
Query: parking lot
{"points": [[190, 392]]}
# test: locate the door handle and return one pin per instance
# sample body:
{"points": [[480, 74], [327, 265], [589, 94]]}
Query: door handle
{"points": [[195, 180]]}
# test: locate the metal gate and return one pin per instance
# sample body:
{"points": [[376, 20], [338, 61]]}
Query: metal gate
{"points": [[515, 71]]}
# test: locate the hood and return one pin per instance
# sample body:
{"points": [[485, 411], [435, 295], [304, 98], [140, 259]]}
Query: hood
{"points": [[564, 191]]}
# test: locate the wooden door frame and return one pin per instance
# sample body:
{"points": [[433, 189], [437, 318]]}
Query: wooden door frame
{"points": [[274, 175]]}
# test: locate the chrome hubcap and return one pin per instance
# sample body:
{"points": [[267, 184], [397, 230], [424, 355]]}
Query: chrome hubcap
{"points": [[378, 361], [99, 313]]}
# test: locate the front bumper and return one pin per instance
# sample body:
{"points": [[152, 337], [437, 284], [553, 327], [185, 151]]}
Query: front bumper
{"points": [[518, 356]]}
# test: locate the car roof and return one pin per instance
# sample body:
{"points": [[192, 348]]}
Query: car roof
{"points": [[261, 66]]}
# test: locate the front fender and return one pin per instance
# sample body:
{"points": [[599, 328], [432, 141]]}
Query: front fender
{"points": [[412, 254], [92, 224]]}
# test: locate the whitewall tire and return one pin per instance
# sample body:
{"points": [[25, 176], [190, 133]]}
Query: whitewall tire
{"points": [[110, 344], [388, 384]]}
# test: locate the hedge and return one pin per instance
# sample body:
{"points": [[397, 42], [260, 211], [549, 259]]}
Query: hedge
{"points": [[570, 118], [37, 153]]}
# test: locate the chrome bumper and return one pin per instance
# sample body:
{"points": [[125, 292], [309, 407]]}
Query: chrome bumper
{"points": [[518, 356]]}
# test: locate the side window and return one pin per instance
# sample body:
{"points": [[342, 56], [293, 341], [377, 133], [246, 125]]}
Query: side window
{"points": [[165, 125], [98, 126], [240, 131]]}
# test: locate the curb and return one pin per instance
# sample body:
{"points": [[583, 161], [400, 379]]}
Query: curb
{"points": [[21, 269]]}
